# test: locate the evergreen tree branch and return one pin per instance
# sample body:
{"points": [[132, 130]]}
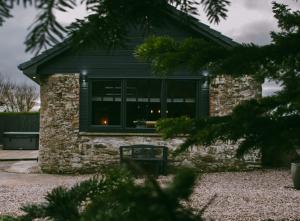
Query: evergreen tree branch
{"points": [[270, 124], [167, 55], [46, 31], [215, 9], [4, 11]]}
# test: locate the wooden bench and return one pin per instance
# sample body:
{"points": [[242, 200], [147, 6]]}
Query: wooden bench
{"points": [[145, 155]]}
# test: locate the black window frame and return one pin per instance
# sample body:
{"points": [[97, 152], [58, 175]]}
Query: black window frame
{"points": [[201, 104]]}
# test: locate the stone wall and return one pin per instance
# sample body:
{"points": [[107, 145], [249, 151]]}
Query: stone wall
{"points": [[226, 92], [63, 149], [59, 122]]}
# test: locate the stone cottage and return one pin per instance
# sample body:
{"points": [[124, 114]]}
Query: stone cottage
{"points": [[93, 101]]}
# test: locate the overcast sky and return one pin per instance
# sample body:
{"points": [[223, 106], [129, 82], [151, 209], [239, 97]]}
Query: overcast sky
{"points": [[248, 21]]}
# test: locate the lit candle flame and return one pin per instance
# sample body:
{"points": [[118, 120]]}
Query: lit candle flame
{"points": [[104, 122]]}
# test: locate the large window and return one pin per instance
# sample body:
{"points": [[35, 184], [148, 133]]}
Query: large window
{"points": [[181, 98], [106, 103], [137, 104], [143, 103]]}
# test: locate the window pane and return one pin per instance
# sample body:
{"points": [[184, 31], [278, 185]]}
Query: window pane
{"points": [[181, 98], [106, 102], [142, 103]]}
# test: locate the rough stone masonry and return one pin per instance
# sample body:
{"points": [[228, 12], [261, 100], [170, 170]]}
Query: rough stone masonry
{"points": [[64, 149]]}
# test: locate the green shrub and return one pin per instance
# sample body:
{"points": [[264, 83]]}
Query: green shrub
{"points": [[115, 196]]}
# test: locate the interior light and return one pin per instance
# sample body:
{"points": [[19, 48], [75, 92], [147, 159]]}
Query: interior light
{"points": [[34, 77], [158, 111], [104, 121], [151, 111]]}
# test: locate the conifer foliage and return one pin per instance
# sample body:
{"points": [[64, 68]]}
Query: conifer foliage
{"points": [[270, 124]]}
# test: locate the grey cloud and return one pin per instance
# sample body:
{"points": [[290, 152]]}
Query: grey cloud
{"points": [[263, 23], [256, 4], [12, 37], [263, 5], [12, 49], [270, 88], [294, 4], [257, 32], [269, 92]]}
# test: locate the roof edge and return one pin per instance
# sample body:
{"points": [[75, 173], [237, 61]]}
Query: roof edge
{"points": [[171, 11], [200, 27], [46, 55]]}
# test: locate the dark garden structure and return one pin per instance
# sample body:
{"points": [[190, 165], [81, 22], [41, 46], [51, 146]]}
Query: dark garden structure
{"points": [[95, 100]]}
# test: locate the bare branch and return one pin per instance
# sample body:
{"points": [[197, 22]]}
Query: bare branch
{"points": [[15, 97]]}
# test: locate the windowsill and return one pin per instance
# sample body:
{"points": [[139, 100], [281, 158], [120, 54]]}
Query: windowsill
{"points": [[119, 134]]}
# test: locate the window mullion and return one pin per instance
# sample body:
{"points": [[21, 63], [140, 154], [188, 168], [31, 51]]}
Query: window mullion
{"points": [[163, 98], [123, 104], [198, 99], [89, 103]]}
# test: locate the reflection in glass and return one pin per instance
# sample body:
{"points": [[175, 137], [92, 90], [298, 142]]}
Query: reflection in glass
{"points": [[143, 106], [106, 102], [181, 98]]}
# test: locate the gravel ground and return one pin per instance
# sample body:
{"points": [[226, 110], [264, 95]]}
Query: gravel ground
{"points": [[256, 195], [20, 189]]}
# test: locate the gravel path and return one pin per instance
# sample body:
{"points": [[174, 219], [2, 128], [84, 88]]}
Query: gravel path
{"points": [[20, 189], [257, 195]]}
